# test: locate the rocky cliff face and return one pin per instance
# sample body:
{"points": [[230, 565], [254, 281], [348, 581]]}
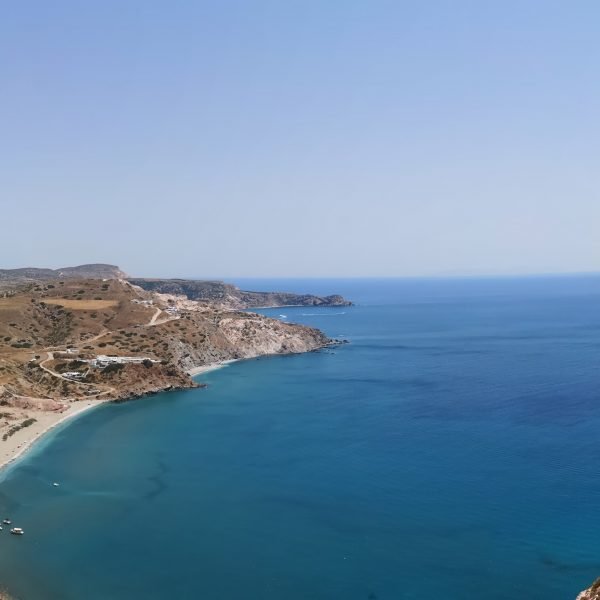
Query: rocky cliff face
{"points": [[258, 299], [236, 335], [229, 296], [592, 593]]}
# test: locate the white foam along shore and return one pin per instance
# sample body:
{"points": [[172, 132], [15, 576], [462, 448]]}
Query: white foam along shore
{"points": [[210, 367], [22, 441]]}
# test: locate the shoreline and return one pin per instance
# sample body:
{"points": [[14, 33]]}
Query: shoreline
{"points": [[16, 446], [22, 441], [194, 371], [298, 306]]}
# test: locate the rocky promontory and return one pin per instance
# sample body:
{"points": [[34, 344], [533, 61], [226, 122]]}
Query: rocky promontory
{"points": [[70, 339], [592, 593], [230, 296]]}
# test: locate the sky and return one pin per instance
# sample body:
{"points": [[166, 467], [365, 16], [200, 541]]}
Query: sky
{"points": [[300, 138]]}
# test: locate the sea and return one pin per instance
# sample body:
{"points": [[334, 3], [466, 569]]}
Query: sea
{"points": [[451, 449]]}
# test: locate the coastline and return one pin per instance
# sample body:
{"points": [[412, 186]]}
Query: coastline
{"points": [[200, 370], [194, 371], [250, 309], [16, 446]]}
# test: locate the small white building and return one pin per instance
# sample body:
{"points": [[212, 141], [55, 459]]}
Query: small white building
{"points": [[73, 375], [102, 360]]}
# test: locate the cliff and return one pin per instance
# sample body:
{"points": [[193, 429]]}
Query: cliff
{"points": [[592, 593], [230, 296]]}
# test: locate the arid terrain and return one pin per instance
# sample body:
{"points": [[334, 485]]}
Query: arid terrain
{"points": [[218, 293], [68, 343], [11, 277]]}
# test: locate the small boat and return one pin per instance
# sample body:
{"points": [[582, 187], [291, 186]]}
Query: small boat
{"points": [[6, 521], [17, 531], [55, 484]]}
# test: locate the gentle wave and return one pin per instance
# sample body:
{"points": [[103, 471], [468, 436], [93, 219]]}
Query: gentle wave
{"points": [[322, 314]]}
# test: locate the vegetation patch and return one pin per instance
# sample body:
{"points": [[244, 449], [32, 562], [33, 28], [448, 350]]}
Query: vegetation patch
{"points": [[83, 304], [14, 428]]}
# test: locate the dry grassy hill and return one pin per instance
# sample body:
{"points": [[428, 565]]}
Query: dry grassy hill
{"points": [[79, 326], [10, 278]]}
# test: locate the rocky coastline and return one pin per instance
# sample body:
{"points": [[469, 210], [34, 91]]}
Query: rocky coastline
{"points": [[225, 295], [592, 593], [68, 344]]}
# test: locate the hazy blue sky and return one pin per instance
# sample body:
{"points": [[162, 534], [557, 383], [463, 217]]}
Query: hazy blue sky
{"points": [[301, 137]]}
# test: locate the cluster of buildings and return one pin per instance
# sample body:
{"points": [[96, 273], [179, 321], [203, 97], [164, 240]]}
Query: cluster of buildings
{"points": [[102, 360], [75, 375]]}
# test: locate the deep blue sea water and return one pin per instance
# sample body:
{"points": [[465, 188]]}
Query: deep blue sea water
{"points": [[451, 450]]}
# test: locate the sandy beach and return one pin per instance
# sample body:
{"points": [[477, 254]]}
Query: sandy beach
{"points": [[210, 367], [21, 441]]}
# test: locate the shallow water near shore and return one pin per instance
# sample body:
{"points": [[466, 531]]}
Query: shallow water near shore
{"points": [[450, 450]]}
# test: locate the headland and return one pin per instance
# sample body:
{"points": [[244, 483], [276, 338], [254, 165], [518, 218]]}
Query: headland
{"points": [[74, 338]]}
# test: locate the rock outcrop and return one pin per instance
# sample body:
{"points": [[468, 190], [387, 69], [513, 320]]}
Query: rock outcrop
{"points": [[592, 593]]}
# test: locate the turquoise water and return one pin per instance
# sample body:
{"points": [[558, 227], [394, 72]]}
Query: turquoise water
{"points": [[451, 450]]}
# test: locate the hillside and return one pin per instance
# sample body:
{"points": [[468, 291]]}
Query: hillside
{"points": [[215, 293], [12, 277], [79, 339], [230, 296]]}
